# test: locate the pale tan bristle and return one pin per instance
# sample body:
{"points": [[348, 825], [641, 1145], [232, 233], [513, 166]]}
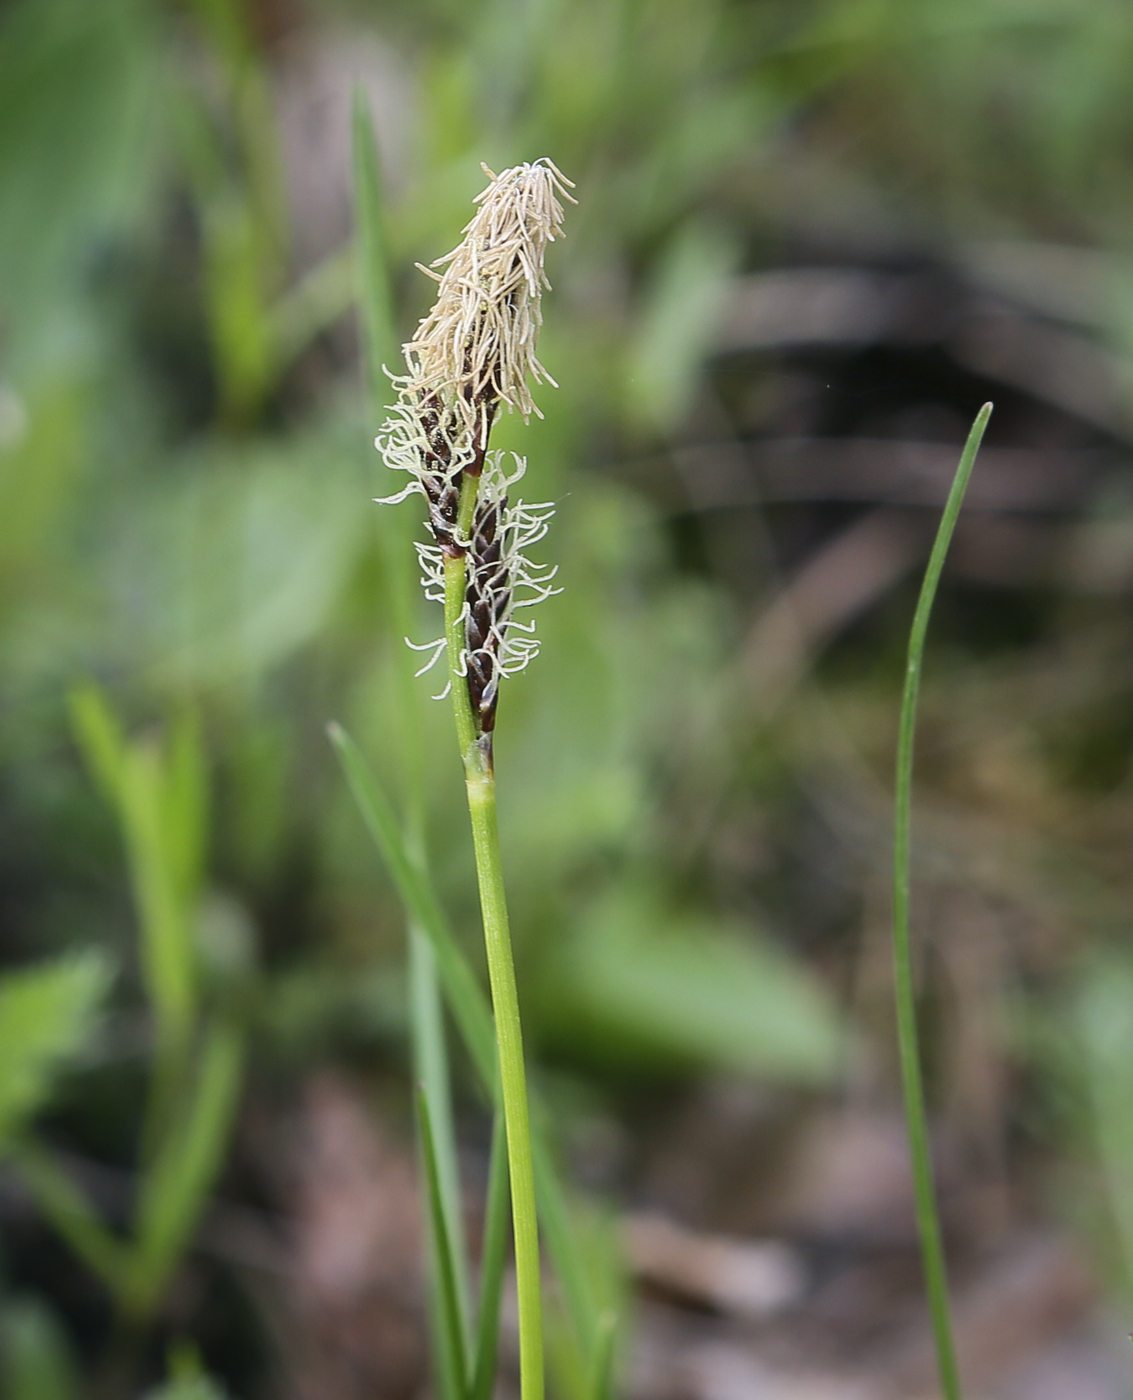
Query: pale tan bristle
{"points": [[478, 342]]}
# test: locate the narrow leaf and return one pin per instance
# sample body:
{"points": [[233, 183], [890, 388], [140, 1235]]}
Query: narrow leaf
{"points": [[562, 1240], [160, 805], [451, 1330], [928, 1220], [430, 1055], [376, 299], [71, 1213], [473, 1016], [99, 736], [168, 956], [602, 1366], [397, 528], [492, 1264], [467, 999], [175, 1190]]}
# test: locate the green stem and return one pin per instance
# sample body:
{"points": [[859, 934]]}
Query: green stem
{"points": [[479, 777], [454, 635], [928, 1219], [513, 1081]]}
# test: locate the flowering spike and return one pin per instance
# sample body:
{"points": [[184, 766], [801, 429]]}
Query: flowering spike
{"points": [[473, 352]]}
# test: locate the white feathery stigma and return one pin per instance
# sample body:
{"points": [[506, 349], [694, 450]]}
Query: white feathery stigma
{"points": [[498, 587]]}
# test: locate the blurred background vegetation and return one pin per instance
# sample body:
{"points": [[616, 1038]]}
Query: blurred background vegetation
{"points": [[812, 237]]}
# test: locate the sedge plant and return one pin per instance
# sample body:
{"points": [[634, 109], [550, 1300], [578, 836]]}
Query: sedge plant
{"points": [[928, 1218], [473, 355]]}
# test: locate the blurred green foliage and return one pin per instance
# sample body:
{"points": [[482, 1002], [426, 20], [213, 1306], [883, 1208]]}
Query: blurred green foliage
{"points": [[160, 796], [38, 1363], [47, 1016]]}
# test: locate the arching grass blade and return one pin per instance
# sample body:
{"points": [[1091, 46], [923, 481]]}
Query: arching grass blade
{"points": [[928, 1219]]}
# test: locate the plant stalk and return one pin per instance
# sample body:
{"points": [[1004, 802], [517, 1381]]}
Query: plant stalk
{"points": [[480, 782], [928, 1219]]}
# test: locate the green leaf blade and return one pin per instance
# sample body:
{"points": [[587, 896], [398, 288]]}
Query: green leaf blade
{"points": [[452, 1342], [466, 997], [191, 1153], [928, 1219], [375, 295], [472, 1014], [492, 1265]]}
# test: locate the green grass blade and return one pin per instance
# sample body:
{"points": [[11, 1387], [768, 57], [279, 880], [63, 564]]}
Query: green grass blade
{"points": [[71, 1214], [466, 997], [472, 1014], [430, 1055], [397, 529], [168, 956], [160, 804], [379, 325], [380, 337], [602, 1365], [100, 737], [175, 1189], [158, 794], [561, 1241], [451, 1333], [492, 1264], [928, 1220]]}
